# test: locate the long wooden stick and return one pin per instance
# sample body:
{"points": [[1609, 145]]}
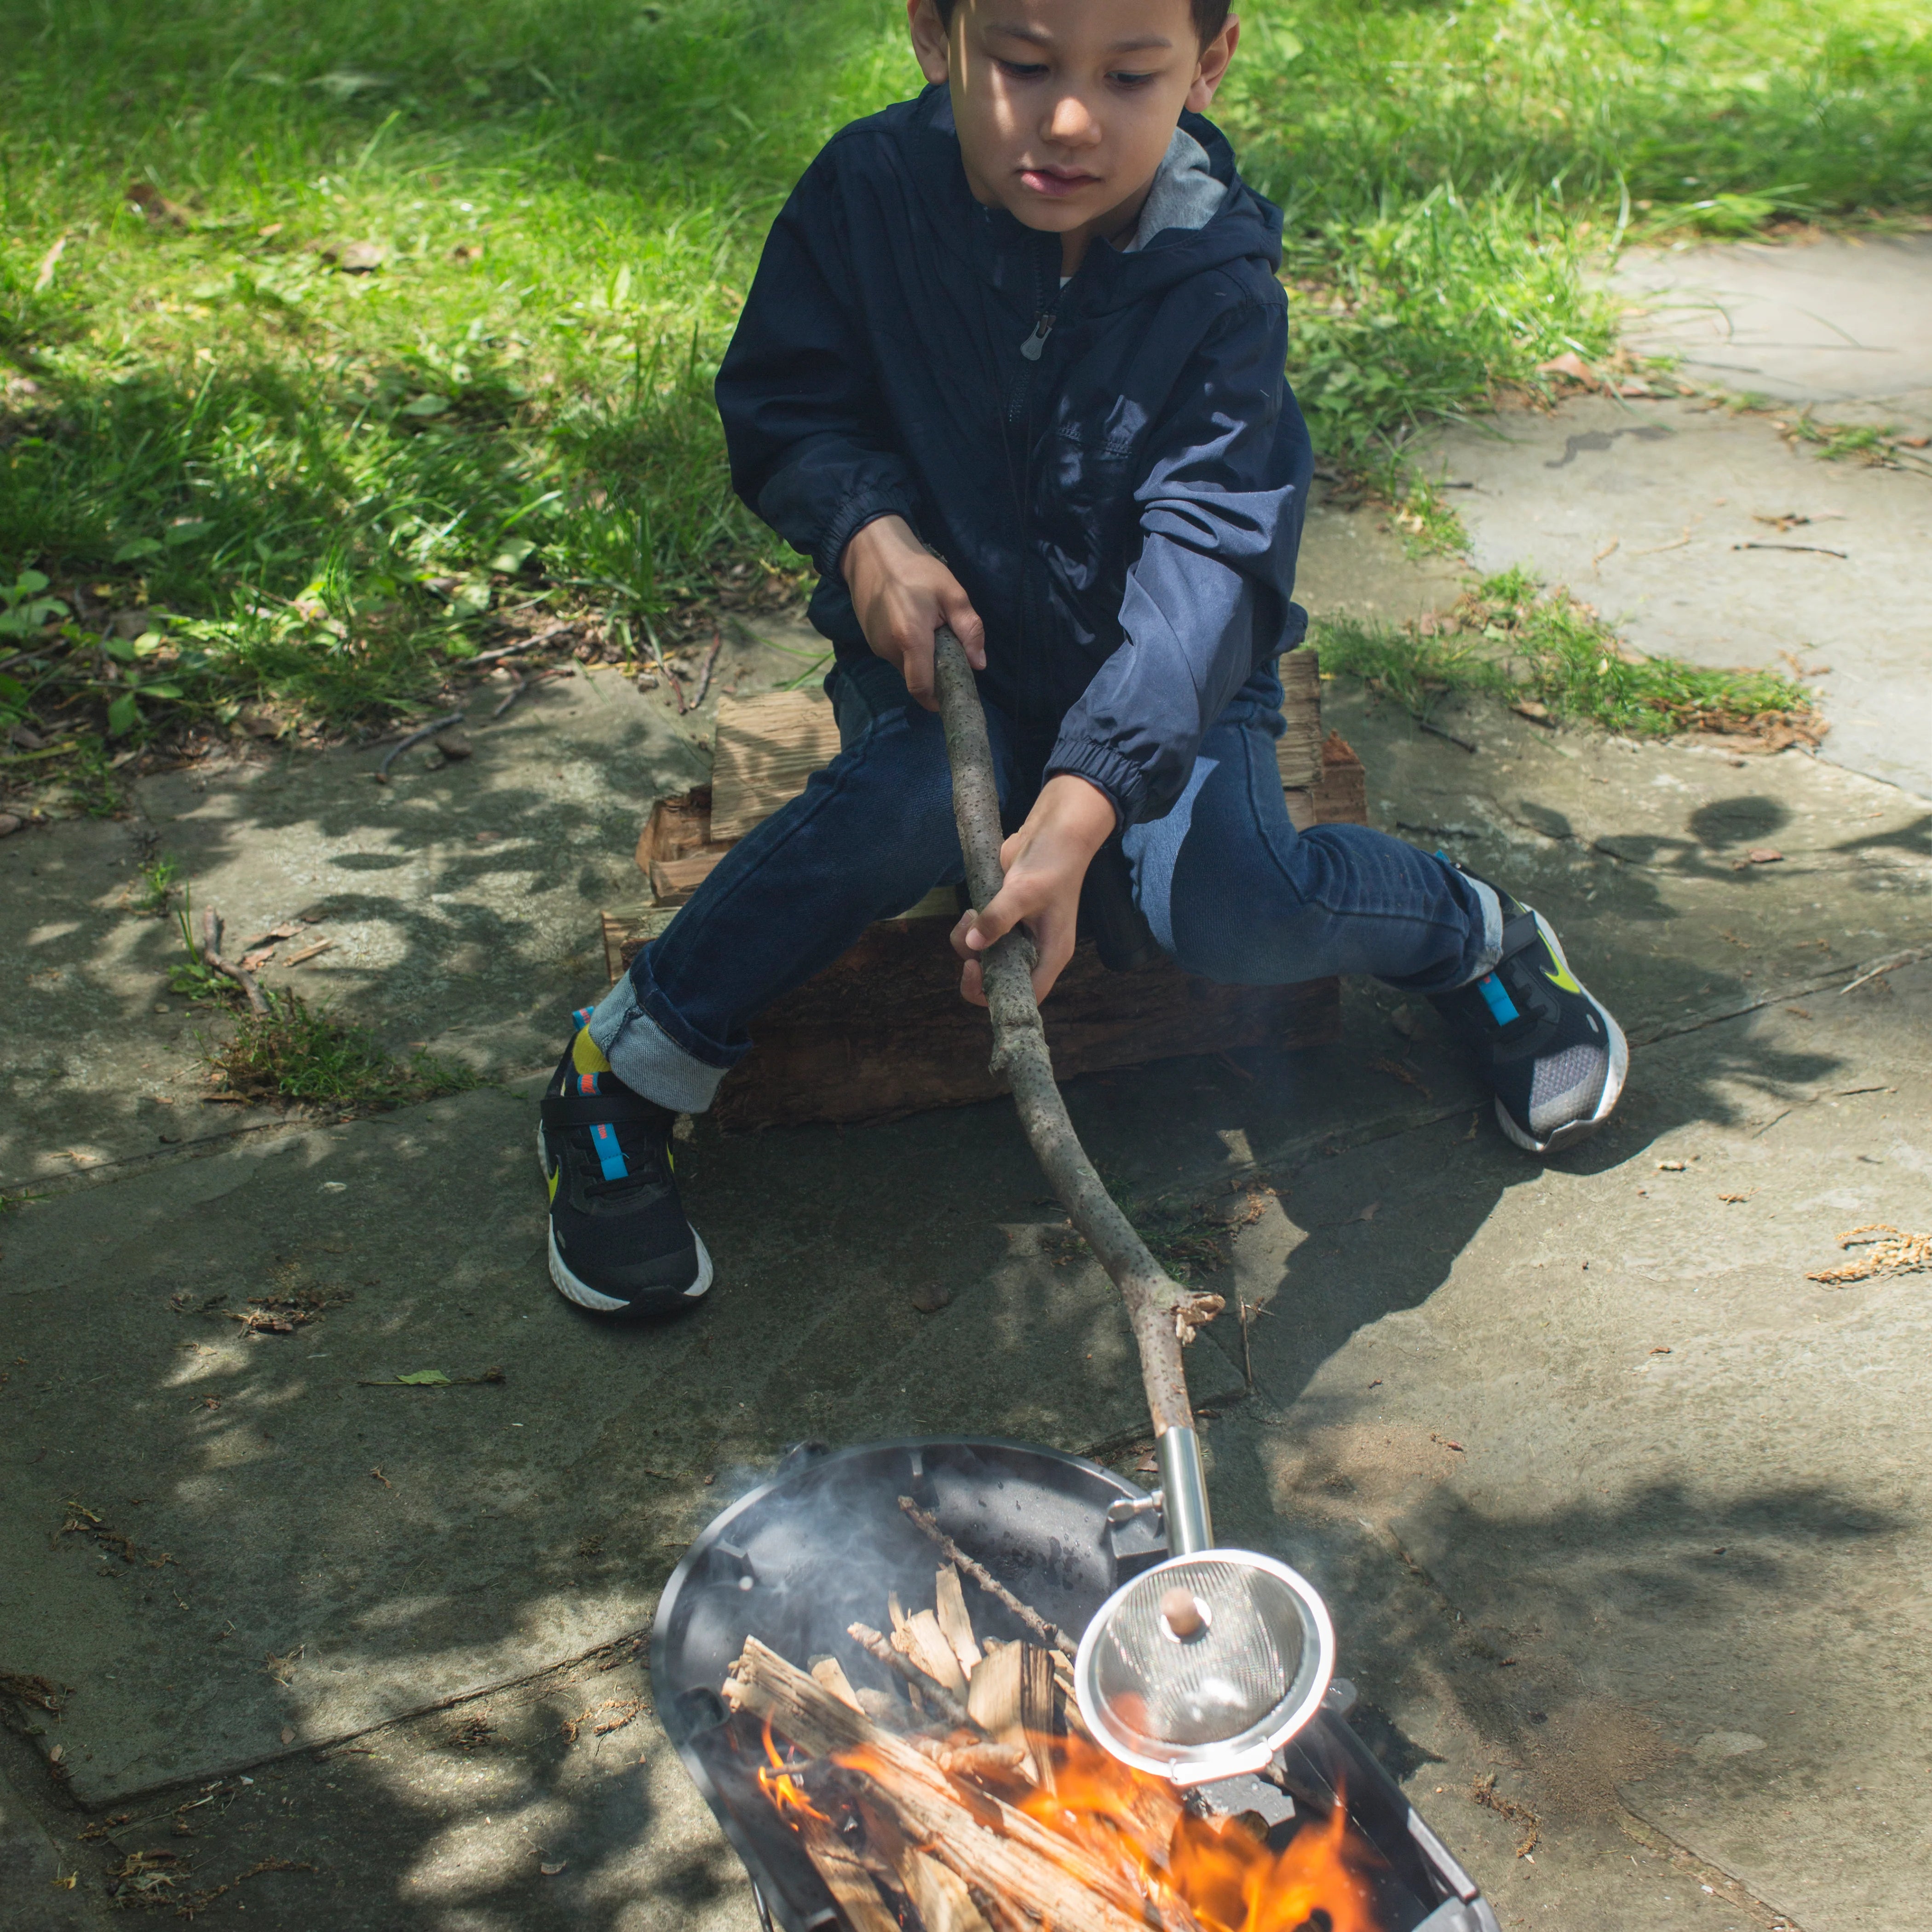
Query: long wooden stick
{"points": [[1162, 1314]]}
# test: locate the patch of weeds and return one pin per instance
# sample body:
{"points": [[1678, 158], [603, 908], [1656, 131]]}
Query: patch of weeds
{"points": [[157, 886], [190, 976], [295, 1053], [1553, 656], [12, 1204]]}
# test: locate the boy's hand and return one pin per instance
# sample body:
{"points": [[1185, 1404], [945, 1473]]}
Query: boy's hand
{"points": [[903, 594], [1045, 861]]}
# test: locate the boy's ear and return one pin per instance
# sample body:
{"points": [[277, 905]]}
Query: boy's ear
{"points": [[930, 45], [1214, 58]]}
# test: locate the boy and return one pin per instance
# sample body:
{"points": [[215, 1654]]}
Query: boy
{"points": [[1012, 363]]}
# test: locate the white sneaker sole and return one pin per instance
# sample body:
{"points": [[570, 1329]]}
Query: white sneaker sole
{"points": [[1613, 1082], [567, 1284]]}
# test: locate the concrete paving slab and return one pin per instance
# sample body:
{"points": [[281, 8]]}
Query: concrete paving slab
{"points": [[39, 1886], [1668, 516], [1843, 322], [223, 1572], [1655, 1492]]}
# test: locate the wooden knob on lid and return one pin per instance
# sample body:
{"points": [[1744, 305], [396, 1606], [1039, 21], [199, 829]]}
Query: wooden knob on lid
{"points": [[1181, 1610]]}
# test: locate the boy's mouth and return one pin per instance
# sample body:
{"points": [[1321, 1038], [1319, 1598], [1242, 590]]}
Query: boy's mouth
{"points": [[1056, 183]]}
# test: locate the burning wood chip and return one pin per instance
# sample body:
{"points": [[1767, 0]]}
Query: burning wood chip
{"points": [[1892, 1251]]}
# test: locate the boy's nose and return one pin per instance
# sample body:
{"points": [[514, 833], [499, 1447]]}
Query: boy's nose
{"points": [[1070, 124]]}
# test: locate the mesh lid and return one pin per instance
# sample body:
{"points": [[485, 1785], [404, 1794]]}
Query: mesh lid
{"points": [[1202, 1666]]}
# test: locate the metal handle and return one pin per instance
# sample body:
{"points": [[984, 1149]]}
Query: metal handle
{"points": [[1183, 1491]]}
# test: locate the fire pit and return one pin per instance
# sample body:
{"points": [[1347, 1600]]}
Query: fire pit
{"points": [[864, 1665]]}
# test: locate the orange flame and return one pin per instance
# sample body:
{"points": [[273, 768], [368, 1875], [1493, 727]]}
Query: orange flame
{"points": [[780, 1785], [1226, 1877], [1222, 1877]]}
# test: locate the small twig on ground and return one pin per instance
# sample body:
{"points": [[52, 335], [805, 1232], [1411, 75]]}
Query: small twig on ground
{"points": [[1907, 958], [1425, 724], [658, 659], [523, 684], [710, 664], [1247, 1354], [210, 949], [1048, 1633], [1815, 550], [1484, 1792], [415, 737]]}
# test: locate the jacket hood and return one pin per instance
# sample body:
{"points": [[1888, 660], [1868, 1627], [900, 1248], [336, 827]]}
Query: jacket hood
{"points": [[1246, 227]]}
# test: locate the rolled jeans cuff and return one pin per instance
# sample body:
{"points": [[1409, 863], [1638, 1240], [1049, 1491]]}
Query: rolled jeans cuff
{"points": [[1492, 931], [646, 1059]]}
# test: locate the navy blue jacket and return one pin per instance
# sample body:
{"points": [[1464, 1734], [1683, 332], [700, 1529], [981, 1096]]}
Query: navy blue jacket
{"points": [[1123, 505]]}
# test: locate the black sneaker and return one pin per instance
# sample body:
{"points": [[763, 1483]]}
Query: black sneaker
{"points": [[1556, 1058], [619, 1241]]}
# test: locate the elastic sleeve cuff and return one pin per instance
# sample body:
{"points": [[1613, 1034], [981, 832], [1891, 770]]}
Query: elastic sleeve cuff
{"points": [[864, 505], [1102, 766]]}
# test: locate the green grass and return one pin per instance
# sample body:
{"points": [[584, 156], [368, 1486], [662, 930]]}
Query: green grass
{"points": [[303, 1056], [1553, 657], [328, 478]]}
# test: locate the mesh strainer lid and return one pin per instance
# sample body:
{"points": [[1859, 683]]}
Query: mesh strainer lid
{"points": [[1244, 1670]]}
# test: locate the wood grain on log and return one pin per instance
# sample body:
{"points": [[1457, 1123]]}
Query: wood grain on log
{"points": [[767, 746], [845, 1878], [950, 1607]]}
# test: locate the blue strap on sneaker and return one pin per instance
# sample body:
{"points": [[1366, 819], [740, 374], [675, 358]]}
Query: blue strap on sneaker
{"points": [[610, 1155]]}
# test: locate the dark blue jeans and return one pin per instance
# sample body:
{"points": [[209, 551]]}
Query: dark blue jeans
{"points": [[1231, 890]]}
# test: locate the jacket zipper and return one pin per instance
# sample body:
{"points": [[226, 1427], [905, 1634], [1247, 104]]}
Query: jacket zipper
{"points": [[1043, 327]]}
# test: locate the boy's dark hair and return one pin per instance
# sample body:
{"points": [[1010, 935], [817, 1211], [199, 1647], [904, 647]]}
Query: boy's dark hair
{"points": [[1210, 16]]}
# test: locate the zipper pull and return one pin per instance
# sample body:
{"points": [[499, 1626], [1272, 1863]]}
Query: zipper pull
{"points": [[1043, 327]]}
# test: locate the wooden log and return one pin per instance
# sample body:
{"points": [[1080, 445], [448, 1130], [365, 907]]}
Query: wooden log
{"points": [[986, 1841], [950, 1607], [993, 1702], [938, 1893], [1039, 1709], [1342, 795], [767, 747], [845, 1878], [920, 1638], [829, 1671], [677, 827], [1298, 751]]}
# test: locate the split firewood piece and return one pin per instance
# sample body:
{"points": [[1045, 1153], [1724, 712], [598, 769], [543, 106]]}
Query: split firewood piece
{"points": [[966, 1754], [920, 1638], [828, 1672], [949, 1606], [938, 1893], [993, 1700], [915, 1679], [1039, 1696], [845, 1877], [1000, 1850], [1048, 1633]]}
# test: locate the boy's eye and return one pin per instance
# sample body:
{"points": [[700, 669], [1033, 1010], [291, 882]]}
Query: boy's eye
{"points": [[1130, 79], [1023, 69]]}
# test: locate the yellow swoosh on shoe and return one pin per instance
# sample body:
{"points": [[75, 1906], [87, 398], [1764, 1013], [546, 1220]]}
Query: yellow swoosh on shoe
{"points": [[556, 1174], [1562, 977], [585, 1055]]}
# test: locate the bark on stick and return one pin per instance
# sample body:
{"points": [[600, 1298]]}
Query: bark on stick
{"points": [[1163, 1315]]}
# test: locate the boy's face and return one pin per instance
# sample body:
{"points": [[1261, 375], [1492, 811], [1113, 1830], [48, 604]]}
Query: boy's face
{"points": [[1065, 107]]}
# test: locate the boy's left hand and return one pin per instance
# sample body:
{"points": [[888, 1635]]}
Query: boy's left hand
{"points": [[1045, 861]]}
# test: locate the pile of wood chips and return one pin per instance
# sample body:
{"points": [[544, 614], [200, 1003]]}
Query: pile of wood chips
{"points": [[925, 1796], [1889, 1251]]}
